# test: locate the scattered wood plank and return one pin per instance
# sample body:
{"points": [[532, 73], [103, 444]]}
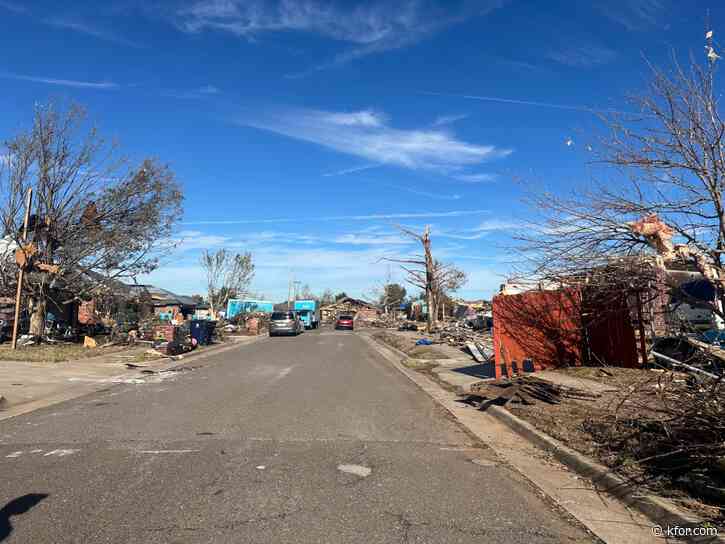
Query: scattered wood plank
{"points": [[486, 353], [530, 389], [474, 351]]}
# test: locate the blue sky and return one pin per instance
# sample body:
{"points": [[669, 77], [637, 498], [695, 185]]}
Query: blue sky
{"points": [[303, 131]]}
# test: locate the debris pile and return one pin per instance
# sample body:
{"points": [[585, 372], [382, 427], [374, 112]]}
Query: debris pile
{"points": [[172, 339], [529, 389], [683, 439], [362, 310]]}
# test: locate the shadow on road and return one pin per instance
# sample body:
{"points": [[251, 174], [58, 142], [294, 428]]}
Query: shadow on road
{"points": [[17, 507]]}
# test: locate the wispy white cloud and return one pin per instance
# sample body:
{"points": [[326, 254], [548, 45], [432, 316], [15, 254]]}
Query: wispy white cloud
{"points": [[371, 138], [194, 239], [520, 66], [13, 6], [430, 194], [99, 85], [515, 101], [634, 14], [368, 217], [209, 89], [357, 239], [204, 92], [363, 118], [354, 169], [370, 27], [352, 260], [482, 230], [354, 269], [476, 178], [582, 55], [448, 119], [89, 29]]}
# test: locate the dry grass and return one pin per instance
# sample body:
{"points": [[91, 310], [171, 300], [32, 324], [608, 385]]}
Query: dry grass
{"points": [[623, 427], [54, 353]]}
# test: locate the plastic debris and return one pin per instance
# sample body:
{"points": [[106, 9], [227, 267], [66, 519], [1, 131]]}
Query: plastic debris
{"points": [[357, 470], [711, 55], [424, 342]]}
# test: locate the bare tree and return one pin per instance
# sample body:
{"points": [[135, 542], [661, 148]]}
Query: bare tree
{"points": [[393, 295], [386, 293], [419, 269], [434, 278], [447, 280], [667, 199], [327, 297], [96, 218], [306, 293], [228, 275]]}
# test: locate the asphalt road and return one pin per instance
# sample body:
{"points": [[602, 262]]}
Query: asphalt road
{"points": [[307, 439]]}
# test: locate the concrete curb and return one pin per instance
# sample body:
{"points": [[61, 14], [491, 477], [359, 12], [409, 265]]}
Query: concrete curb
{"points": [[657, 509]]}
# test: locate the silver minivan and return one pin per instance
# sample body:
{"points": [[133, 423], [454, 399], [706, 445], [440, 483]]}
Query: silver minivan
{"points": [[285, 323]]}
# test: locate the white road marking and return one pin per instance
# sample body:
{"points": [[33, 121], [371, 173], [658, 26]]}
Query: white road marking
{"points": [[14, 454], [483, 462], [357, 470], [261, 467], [36, 451], [151, 378], [168, 451], [61, 453]]}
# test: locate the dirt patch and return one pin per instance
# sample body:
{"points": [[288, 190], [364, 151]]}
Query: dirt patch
{"points": [[418, 364], [407, 345], [623, 428]]}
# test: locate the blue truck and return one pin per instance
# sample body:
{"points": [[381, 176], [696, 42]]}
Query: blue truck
{"points": [[309, 312], [238, 306]]}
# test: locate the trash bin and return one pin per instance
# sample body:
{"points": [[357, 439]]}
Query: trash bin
{"points": [[202, 331], [211, 330]]}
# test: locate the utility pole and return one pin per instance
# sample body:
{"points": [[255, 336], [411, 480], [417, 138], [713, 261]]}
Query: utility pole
{"points": [[289, 291], [21, 272]]}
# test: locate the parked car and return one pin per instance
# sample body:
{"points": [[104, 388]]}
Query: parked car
{"points": [[344, 322], [285, 323]]}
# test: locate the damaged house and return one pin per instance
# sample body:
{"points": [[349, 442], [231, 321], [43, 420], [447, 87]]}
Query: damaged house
{"points": [[609, 315], [360, 309]]}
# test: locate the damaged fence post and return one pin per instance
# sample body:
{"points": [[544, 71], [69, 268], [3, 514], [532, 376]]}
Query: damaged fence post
{"points": [[28, 203]]}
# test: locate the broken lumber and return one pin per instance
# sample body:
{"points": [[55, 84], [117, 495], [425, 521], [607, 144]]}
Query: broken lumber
{"points": [[475, 352], [529, 389]]}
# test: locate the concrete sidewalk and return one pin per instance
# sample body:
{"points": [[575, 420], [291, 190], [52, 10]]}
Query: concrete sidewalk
{"points": [[27, 386]]}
